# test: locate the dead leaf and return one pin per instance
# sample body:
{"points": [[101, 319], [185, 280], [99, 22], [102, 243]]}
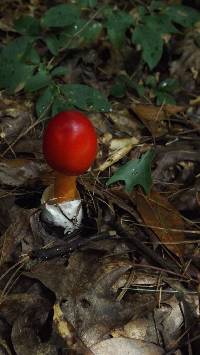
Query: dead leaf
{"points": [[67, 332], [124, 121], [153, 116], [121, 148], [163, 218], [14, 116], [122, 346], [17, 172]]}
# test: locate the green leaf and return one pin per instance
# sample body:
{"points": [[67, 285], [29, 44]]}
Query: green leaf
{"points": [[135, 172], [59, 105], [183, 15], [85, 97], [157, 5], [59, 71], [14, 75], [118, 89], [28, 25], [17, 49], [38, 81], [151, 81], [45, 101], [80, 34], [117, 24], [32, 56], [53, 44], [151, 43], [163, 97], [169, 85], [87, 3], [91, 32], [60, 16], [160, 23]]}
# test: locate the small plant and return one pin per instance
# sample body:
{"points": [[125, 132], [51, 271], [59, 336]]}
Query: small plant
{"points": [[135, 172], [36, 60]]}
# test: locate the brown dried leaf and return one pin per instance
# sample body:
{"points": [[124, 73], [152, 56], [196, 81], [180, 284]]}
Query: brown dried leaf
{"points": [[124, 121], [153, 116], [163, 219]]}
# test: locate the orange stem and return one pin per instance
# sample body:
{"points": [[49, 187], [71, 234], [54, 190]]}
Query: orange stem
{"points": [[65, 188]]}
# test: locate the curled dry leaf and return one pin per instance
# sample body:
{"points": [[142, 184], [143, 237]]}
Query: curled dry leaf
{"points": [[120, 148], [163, 218], [153, 116]]}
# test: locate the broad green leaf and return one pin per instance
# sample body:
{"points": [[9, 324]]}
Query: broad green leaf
{"points": [[38, 81], [160, 23], [91, 32], [157, 5], [85, 97], [135, 172], [60, 16], [87, 3], [59, 105], [118, 89], [45, 101], [151, 43], [17, 49], [53, 44], [28, 25], [163, 97], [60, 71], [80, 34], [117, 23], [169, 85], [32, 56], [14, 75], [183, 15]]}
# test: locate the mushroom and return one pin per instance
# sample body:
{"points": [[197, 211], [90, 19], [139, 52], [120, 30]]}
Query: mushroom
{"points": [[69, 147]]}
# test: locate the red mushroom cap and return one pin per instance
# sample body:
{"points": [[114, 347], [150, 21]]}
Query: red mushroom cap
{"points": [[70, 143]]}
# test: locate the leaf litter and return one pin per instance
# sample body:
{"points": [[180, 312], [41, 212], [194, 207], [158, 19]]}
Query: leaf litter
{"points": [[128, 280]]}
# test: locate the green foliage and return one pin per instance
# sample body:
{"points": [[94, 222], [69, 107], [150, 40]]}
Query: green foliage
{"points": [[122, 84], [85, 97], [163, 91], [161, 20], [117, 23], [60, 16], [28, 25], [31, 62], [135, 172]]}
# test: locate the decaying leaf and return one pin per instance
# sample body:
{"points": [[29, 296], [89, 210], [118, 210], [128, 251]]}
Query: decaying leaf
{"points": [[85, 289], [120, 148], [124, 121], [153, 117], [122, 346], [17, 172], [163, 218], [67, 332], [14, 117]]}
